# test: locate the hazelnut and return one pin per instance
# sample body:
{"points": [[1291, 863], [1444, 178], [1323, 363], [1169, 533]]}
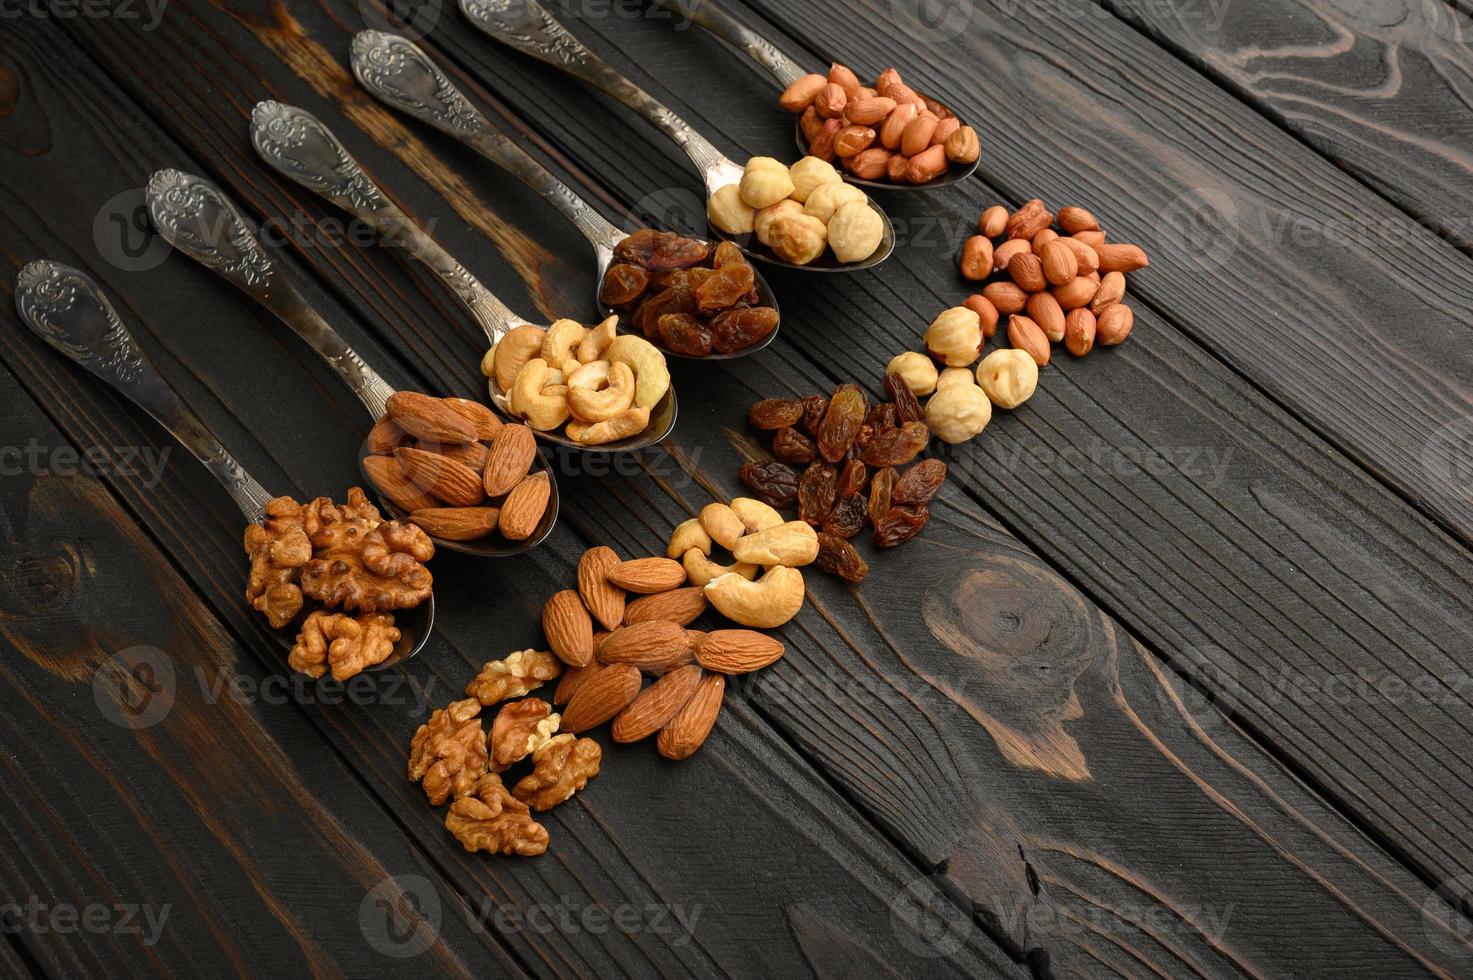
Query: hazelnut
{"points": [[953, 376], [962, 146], [765, 217], [797, 238], [955, 336], [765, 181], [810, 173], [728, 212], [958, 412], [917, 371], [827, 199], [1008, 377], [855, 231]]}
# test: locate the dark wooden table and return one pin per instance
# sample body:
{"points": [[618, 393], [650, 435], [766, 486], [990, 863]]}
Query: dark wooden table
{"points": [[1176, 683]]}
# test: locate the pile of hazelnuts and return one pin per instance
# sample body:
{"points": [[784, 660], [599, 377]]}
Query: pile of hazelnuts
{"points": [[1056, 278]]}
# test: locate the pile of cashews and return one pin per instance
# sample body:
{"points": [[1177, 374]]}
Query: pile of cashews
{"points": [[599, 383], [758, 538]]}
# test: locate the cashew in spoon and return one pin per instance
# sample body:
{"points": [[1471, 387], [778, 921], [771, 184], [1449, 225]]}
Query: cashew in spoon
{"points": [[594, 405], [766, 603], [651, 376], [542, 407], [593, 375], [629, 422], [700, 569], [598, 340], [562, 337], [512, 352]]}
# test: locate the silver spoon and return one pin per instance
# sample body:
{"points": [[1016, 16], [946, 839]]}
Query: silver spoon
{"points": [[528, 27], [399, 74], [787, 71], [294, 143], [197, 219], [65, 308]]}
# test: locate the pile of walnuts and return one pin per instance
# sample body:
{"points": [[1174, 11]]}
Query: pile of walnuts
{"points": [[356, 566]]}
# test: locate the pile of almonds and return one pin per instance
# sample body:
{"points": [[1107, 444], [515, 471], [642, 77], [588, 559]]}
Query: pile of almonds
{"points": [[888, 132], [1056, 282], [457, 470]]}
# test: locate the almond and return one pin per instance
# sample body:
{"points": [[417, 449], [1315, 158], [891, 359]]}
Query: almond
{"points": [[654, 647], [1114, 324], [1045, 311], [385, 473], [1059, 262], [1006, 297], [601, 697], [993, 221], [573, 678], [472, 454], [603, 598], [512, 453], [456, 523], [680, 606], [1028, 337], [1029, 220], [653, 708], [1074, 220], [646, 575], [1079, 332], [429, 418], [440, 476], [1026, 269], [569, 628], [385, 437], [1121, 257], [485, 421], [523, 508], [737, 651], [692, 724], [1110, 291]]}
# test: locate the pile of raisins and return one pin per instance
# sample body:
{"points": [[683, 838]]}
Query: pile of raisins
{"points": [[825, 449], [686, 296]]}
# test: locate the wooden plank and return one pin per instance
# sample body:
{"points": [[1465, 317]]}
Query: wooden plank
{"points": [[1379, 96], [1233, 538], [750, 840]]}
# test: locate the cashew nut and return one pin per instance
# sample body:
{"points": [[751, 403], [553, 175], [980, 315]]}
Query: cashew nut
{"points": [[701, 570], [766, 603], [629, 422], [723, 524], [651, 376], [512, 352], [686, 536], [594, 375], [755, 515], [562, 337], [598, 340], [794, 543], [543, 408], [592, 405]]}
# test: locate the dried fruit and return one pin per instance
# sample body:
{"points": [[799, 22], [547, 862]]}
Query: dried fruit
{"points": [[879, 492], [683, 334], [900, 524], [775, 413], [838, 557], [919, 484], [793, 447], [897, 446], [814, 409], [676, 252], [907, 406], [725, 287], [841, 422], [773, 483], [846, 519], [742, 327], [853, 477], [623, 284], [677, 299], [817, 491]]}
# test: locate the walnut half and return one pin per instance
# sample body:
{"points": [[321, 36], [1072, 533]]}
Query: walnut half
{"points": [[520, 728], [561, 766], [515, 676], [278, 546], [364, 567], [491, 819], [346, 645], [448, 753]]}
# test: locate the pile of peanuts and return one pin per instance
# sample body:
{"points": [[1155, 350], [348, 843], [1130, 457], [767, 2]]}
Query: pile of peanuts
{"points": [[888, 132], [1063, 283]]}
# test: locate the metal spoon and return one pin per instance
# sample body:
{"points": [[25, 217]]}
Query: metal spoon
{"points": [[787, 71], [65, 308], [301, 148], [197, 219], [399, 74], [528, 27]]}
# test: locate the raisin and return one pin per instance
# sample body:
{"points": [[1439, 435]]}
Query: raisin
{"points": [[773, 483], [638, 247], [896, 447], [879, 493], [852, 477], [866, 433], [919, 484], [775, 413], [683, 334], [881, 417], [680, 277], [900, 524], [728, 254], [840, 426], [838, 557], [907, 406], [724, 287], [817, 491], [623, 283], [814, 408], [676, 299], [847, 517], [792, 446], [678, 253], [742, 327]]}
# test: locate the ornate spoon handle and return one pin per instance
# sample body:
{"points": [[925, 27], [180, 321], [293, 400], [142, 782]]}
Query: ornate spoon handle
{"points": [[198, 220], [401, 75], [528, 27], [67, 309], [720, 23], [301, 148]]}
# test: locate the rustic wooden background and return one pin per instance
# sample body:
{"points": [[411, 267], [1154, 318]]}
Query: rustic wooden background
{"points": [[1176, 683]]}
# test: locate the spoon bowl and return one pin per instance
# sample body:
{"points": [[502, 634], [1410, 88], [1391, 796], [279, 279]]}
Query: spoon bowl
{"points": [[955, 172], [826, 262]]}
